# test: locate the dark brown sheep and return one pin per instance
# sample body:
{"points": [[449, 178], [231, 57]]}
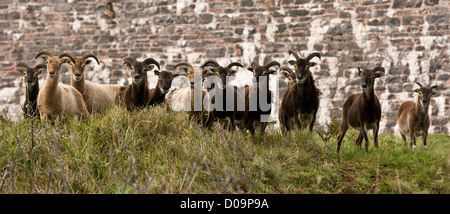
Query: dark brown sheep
{"points": [[258, 98], [228, 96], [362, 111], [137, 94], [31, 79], [300, 103]]}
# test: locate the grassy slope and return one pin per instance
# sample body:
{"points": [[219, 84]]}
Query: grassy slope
{"points": [[153, 151]]}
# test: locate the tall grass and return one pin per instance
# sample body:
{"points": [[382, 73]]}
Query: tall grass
{"points": [[155, 151]]}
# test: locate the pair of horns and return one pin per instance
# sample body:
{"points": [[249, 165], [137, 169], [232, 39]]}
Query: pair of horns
{"points": [[420, 84], [215, 64], [308, 58], [148, 61], [46, 53]]}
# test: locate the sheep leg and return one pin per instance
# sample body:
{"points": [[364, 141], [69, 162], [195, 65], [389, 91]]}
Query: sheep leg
{"points": [[313, 120], [366, 138], [424, 138], [404, 138], [359, 140], [375, 135], [342, 130], [412, 143]]}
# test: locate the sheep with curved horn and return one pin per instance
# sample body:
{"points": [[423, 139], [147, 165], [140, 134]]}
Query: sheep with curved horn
{"points": [[98, 97], [55, 100], [31, 78], [413, 118], [362, 111], [300, 103], [137, 94], [258, 98], [226, 98]]}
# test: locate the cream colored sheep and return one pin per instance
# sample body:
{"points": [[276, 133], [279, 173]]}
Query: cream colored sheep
{"points": [[98, 97], [55, 100]]}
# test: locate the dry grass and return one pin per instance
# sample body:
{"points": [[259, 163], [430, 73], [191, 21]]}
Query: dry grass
{"points": [[153, 151]]}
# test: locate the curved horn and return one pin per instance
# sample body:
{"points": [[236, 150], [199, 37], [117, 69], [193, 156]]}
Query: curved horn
{"points": [[287, 69], [68, 56], [43, 53], [378, 69], [213, 62], [91, 55], [420, 84], [315, 54], [235, 64], [21, 64], [184, 64], [270, 64], [295, 54], [434, 86], [150, 61], [39, 66], [128, 60]]}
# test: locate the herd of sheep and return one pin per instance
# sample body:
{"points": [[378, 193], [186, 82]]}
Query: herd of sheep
{"points": [[239, 106]]}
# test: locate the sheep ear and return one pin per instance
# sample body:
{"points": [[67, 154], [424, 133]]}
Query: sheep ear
{"points": [[233, 72], [250, 69], [360, 71], [312, 64], [150, 67], [272, 71], [88, 62], [417, 90], [291, 62], [156, 72]]}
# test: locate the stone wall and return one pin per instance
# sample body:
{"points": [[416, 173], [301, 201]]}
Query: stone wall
{"points": [[409, 38]]}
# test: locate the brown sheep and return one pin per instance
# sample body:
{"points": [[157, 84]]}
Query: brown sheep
{"points": [[31, 78], [137, 94], [362, 111], [300, 103], [413, 118]]}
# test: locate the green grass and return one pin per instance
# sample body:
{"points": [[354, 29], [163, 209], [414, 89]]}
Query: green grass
{"points": [[153, 151]]}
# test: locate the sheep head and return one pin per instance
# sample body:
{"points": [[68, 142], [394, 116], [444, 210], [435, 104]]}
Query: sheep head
{"points": [[189, 71], [302, 66], [77, 68], [265, 70], [139, 69], [425, 94], [288, 73], [222, 72], [54, 63], [368, 77], [211, 79], [31, 74], [165, 80]]}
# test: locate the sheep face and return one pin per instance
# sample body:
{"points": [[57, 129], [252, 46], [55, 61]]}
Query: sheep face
{"points": [[31, 75], [54, 63], [139, 69], [211, 79], [77, 68], [222, 72], [188, 70], [425, 94], [165, 80], [259, 71], [302, 66], [368, 77]]}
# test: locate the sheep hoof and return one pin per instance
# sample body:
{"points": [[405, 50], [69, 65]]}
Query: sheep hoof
{"points": [[425, 147], [414, 147]]}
